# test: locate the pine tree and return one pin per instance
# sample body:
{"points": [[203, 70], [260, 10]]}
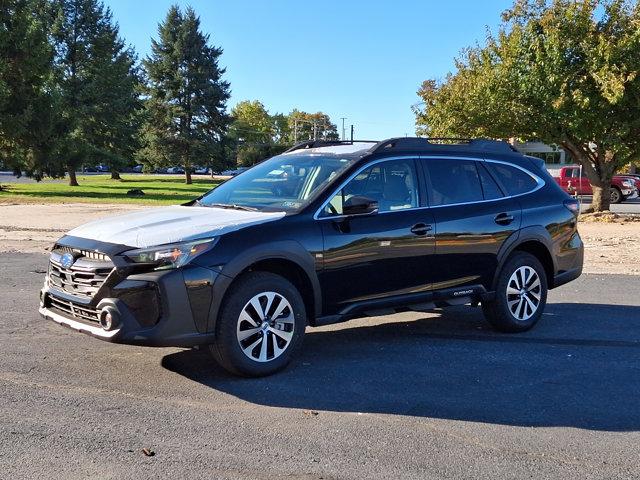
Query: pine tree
{"points": [[27, 96], [186, 108], [98, 81]]}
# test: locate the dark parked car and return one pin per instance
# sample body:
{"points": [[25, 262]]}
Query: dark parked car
{"points": [[357, 229]]}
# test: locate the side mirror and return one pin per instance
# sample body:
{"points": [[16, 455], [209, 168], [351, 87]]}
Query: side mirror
{"points": [[359, 205]]}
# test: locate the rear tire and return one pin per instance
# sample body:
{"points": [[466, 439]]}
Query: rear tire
{"points": [[521, 294], [260, 325]]}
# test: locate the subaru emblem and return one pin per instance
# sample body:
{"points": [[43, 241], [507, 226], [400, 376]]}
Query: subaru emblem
{"points": [[67, 260]]}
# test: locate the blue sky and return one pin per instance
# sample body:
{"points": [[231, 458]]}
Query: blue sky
{"points": [[363, 60]]}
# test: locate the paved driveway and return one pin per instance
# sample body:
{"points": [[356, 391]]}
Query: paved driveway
{"points": [[408, 396], [629, 206]]}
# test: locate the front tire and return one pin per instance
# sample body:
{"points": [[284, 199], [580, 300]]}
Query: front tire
{"points": [[260, 325], [521, 294], [616, 195]]}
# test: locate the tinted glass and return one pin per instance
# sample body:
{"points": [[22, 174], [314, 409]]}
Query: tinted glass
{"points": [[282, 183], [453, 181], [514, 180], [392, 184], [490, 188]]}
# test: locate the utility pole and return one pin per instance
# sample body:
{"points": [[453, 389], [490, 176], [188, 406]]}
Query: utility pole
{"points": [[315, 131], [352, 133], [343, 132], [295, 131]]}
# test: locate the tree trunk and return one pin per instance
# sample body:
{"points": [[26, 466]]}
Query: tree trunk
{"points": [[599, 167], [73, 181], [115, 175], [601, 197], [187, 176]]}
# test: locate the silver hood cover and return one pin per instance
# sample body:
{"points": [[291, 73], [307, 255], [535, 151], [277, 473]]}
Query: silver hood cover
{"points": [[158, 226]]}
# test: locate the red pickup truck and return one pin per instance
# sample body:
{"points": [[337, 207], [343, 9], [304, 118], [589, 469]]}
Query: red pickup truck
{"points": [[572, 182]]}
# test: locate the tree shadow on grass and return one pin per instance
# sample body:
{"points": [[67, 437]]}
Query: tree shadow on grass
{"points": [[195, 181], [177, 190], [580, 368], [169, 197]]}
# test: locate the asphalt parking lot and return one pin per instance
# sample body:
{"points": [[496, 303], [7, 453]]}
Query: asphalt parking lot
{"points": [[419, 396], [628, 206]]}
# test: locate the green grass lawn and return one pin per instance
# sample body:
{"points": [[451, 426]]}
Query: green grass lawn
{"points": [[158, 189]]}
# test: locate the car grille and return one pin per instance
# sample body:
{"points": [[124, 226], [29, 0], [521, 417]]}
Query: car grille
{"points": [[73, 310], [82, 279]]}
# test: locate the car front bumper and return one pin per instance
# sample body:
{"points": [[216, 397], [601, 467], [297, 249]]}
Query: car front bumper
{"points": [[166, 308]]}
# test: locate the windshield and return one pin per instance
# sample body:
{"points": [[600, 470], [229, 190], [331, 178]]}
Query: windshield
{"points": [[282, 183]]}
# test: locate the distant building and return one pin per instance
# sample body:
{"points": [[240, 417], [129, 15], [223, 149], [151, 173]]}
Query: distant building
{"points": [[554, 156]]}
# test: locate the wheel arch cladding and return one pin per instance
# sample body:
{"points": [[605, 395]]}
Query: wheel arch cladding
{"points": [[287, 259], [541, 252], [533, 240], [295, 274]]}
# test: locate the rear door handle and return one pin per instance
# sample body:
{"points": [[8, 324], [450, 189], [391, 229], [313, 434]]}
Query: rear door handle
{"points": [[421, 229], [504, 218]]}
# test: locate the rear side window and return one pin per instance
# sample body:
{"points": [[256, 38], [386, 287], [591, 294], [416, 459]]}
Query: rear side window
{"points": [[490, 188], [513, 179], [453, 181]]}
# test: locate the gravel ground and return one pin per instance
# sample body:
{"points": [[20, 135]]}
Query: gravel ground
{"points": [[610, 247], [413, 396]]}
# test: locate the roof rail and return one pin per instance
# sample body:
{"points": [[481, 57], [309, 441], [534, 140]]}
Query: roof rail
{"points": [[418, 143], [325, 143]]}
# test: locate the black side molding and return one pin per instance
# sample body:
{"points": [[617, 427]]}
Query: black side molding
{"points": [[416, 302]]}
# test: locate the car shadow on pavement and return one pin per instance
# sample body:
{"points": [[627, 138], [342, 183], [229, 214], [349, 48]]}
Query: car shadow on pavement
{"points": [[580, 367]]}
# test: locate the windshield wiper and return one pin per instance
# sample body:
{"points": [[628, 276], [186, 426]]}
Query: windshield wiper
{"points": [[232, 206]]}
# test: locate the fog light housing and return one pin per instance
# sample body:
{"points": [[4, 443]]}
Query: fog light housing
{"points": [[108, 319]]}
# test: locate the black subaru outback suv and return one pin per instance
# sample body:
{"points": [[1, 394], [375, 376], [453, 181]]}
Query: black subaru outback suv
{"points": [[326, 232]]}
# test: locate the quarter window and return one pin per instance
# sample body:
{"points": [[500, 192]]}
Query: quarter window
{"points": [[453, 181], [490, 188], [393, 184], [514, 180]]}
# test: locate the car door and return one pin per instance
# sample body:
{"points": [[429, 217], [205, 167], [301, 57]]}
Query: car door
{"points": [[381, 255], [579, 182], [473, 215]]}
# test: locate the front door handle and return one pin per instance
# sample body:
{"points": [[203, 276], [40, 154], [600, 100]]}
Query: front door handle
{"points": [[421, 229], [504, 218]]}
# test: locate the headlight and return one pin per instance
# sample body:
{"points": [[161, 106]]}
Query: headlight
{"points": [[628, 183], [172, 255]]}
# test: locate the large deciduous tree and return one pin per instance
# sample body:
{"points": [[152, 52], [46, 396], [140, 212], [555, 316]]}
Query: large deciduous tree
{"points": [[559, 71], [311, 126], [251, 122], [98, 82], [186, 106], [255, 133]]}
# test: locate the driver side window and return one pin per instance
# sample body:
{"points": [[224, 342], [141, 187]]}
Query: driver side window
{"points": [[392, 184]]}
